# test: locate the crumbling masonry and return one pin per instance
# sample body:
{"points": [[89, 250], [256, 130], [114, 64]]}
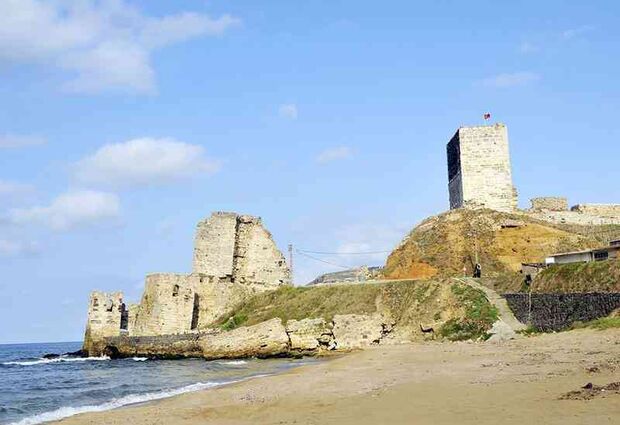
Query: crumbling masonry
{"points": [[234, 257]]}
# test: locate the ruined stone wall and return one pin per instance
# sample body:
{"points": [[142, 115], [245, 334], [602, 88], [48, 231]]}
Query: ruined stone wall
{"points": [[549, 204], [479, 170], [167, 305], [237, 248], [216, 298], [104, 317], [214, 245], [601, 210], [258, 262], [573, 217], [234, 258], [132, 317]]}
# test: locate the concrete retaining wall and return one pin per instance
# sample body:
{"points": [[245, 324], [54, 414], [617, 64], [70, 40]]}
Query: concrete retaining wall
{"points": [[554, 312]]}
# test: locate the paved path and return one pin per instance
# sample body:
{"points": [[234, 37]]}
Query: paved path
{"points": [[507, 325]]}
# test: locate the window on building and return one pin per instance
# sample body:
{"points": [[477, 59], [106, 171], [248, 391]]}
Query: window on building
{"points": [[95, 302], [124, 317], [601, 256], [175, 291], [195, 312]]}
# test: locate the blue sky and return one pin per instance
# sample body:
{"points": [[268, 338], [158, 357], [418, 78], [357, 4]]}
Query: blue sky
{"points": [[124, 123]]}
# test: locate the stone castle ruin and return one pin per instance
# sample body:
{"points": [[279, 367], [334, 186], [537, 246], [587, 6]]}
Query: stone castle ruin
{"points": [[480, 176], [234, 258], [479, 170]]}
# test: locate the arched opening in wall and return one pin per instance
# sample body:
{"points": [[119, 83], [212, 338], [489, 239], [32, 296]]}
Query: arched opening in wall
{"points": [[195, 312], [124, 317], [95, 302], [112, 352], [175, 291]]}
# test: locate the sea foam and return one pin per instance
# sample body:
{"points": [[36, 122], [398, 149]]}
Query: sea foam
{"points": [[55, 360], [65, 412]]}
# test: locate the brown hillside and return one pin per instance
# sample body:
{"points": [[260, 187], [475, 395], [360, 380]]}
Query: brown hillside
{"points": [[447, 244]]}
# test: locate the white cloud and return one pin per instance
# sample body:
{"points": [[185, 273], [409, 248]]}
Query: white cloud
{"points": [[572, 33], [16, 249], [144, 161], [17, 141], [71, 209], [104, 45], [334, 154], [12, 189], [514, 79], [289, 111]]}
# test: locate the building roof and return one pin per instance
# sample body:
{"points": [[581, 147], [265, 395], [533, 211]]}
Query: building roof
{"points": [[585, 251]]}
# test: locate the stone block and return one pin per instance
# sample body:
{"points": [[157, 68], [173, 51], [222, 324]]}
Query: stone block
{"points": [[353, 331], [265, 339], [309, 334]]}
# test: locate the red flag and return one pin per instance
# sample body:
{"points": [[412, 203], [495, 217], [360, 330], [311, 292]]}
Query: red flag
{"points": [[486, 116]]}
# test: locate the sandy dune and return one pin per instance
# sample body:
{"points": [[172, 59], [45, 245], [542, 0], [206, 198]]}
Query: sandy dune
{"points": [[518, 382]]}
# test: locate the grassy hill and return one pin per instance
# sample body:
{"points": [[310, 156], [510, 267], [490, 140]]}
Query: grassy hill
{"points": [[603, 276], [456, 311], [447, 244]]}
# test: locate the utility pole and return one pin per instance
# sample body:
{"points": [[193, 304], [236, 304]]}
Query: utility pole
{"points": [[290, 261]]}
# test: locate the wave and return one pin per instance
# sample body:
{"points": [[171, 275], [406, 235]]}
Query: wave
{"points": [[232, 362], [139, 359], [65, 412], [55, 360]]}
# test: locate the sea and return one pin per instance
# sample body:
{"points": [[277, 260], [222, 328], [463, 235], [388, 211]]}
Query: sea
{"points": [[36, 390]]}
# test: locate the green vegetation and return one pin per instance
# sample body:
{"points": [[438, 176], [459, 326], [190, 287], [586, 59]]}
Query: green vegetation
{"points": [[599, 276], [409, 303], [301, 302], [602, 323], [530, 331], [478, 319], [234, 321]]}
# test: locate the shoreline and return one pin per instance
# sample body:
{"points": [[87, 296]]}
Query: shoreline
{"points": [[432, 382]]}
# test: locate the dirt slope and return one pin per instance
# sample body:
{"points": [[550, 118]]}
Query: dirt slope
{"points": [[447, 244], [455, 311]]}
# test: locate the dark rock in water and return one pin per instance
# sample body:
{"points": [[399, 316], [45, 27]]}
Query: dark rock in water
{"points": [[51, 356], [78, 353]]}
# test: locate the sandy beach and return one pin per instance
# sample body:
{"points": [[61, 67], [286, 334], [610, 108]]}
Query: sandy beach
{"points": [[533, 379]]}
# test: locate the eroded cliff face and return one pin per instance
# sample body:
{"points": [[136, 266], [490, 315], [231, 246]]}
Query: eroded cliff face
{"points": [[450, 244], [235, 257], [266, 339]]}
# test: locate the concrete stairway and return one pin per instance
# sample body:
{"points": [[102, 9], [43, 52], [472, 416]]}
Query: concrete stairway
{"points": [[507, 325]]}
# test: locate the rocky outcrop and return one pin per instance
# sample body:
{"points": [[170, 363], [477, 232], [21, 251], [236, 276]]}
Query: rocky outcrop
{"points": [[271, 338], [310, 334], [353, 331], [267, 339]]}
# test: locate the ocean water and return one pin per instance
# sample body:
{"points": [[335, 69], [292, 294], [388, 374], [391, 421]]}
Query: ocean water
{"points": [[34, 390]]}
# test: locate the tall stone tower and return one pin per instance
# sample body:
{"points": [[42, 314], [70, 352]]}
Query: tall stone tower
{"points": [[479, 171]]}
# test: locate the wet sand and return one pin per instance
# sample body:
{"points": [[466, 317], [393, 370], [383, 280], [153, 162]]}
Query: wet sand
{"points": [[522, 381]]}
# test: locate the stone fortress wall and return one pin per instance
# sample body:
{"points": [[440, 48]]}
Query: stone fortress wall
{"points": [[550, 203], [105, 313], [234, 257], [479, 170], [480, 176], [556, 210]]}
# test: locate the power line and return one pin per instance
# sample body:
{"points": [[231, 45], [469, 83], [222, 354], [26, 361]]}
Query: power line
{"points": [[342, 253], [322, 261]]}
